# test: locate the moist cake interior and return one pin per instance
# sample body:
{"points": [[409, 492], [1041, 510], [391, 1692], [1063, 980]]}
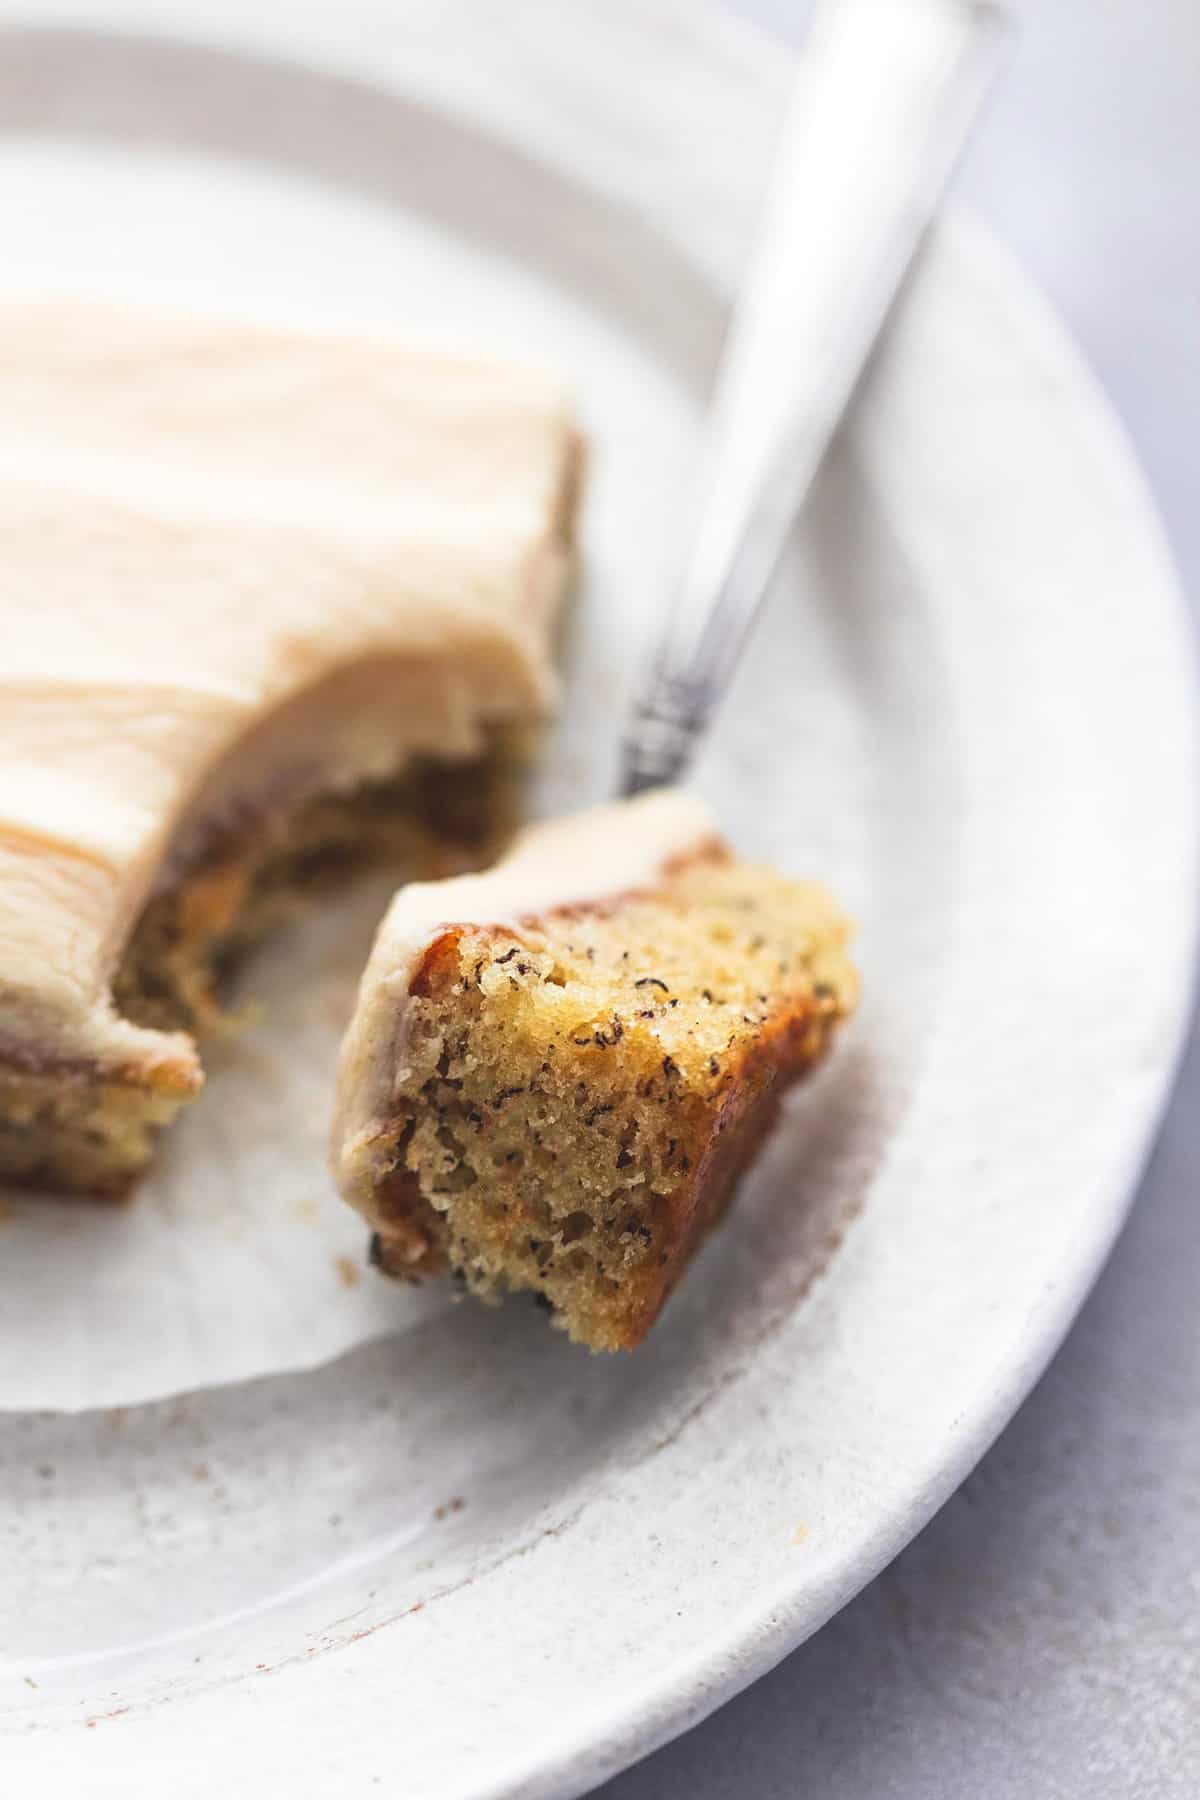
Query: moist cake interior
{"points": [[433, 819], [574, 1099], [60, 1126]]}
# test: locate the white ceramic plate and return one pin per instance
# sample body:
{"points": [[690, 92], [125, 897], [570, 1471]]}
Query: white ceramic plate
{"points": [[470, 1561]]}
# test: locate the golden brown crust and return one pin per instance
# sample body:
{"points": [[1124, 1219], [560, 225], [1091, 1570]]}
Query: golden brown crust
{"points": [[793, 1045], [410, 1240], [573, 1122]]}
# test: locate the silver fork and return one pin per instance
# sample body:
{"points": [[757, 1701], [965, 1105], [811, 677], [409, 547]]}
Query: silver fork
{"points": [[887, 96]]}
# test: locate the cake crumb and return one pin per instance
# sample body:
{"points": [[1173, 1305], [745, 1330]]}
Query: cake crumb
{"points": [[573, 1116]]}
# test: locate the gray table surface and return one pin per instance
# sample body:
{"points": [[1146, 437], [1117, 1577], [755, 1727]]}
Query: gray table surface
{"points": [[1042, 1637]]}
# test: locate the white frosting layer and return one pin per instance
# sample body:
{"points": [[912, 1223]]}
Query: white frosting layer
{"points": [[586, 858], [234, 561]]}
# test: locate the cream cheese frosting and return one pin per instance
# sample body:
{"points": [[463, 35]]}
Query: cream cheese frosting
{"points": [[238, 558], [585, 859]]}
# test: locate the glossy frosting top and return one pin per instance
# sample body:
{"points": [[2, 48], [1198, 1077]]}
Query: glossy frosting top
{"points": [[202, 525]]}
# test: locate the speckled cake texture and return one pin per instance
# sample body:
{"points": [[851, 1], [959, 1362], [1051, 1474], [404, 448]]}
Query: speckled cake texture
{"points": [[558, 1069]]}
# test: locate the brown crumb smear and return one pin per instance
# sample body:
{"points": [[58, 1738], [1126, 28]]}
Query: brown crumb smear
{"points": [[435, 819], [582, 1098], [66, 1124]]}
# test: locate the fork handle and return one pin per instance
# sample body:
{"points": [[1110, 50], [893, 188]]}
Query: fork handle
{"points": [[888, 92]]}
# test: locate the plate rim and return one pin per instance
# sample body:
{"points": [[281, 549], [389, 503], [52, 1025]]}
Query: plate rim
{"points": [[688, 1696], [689, 1692]]}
